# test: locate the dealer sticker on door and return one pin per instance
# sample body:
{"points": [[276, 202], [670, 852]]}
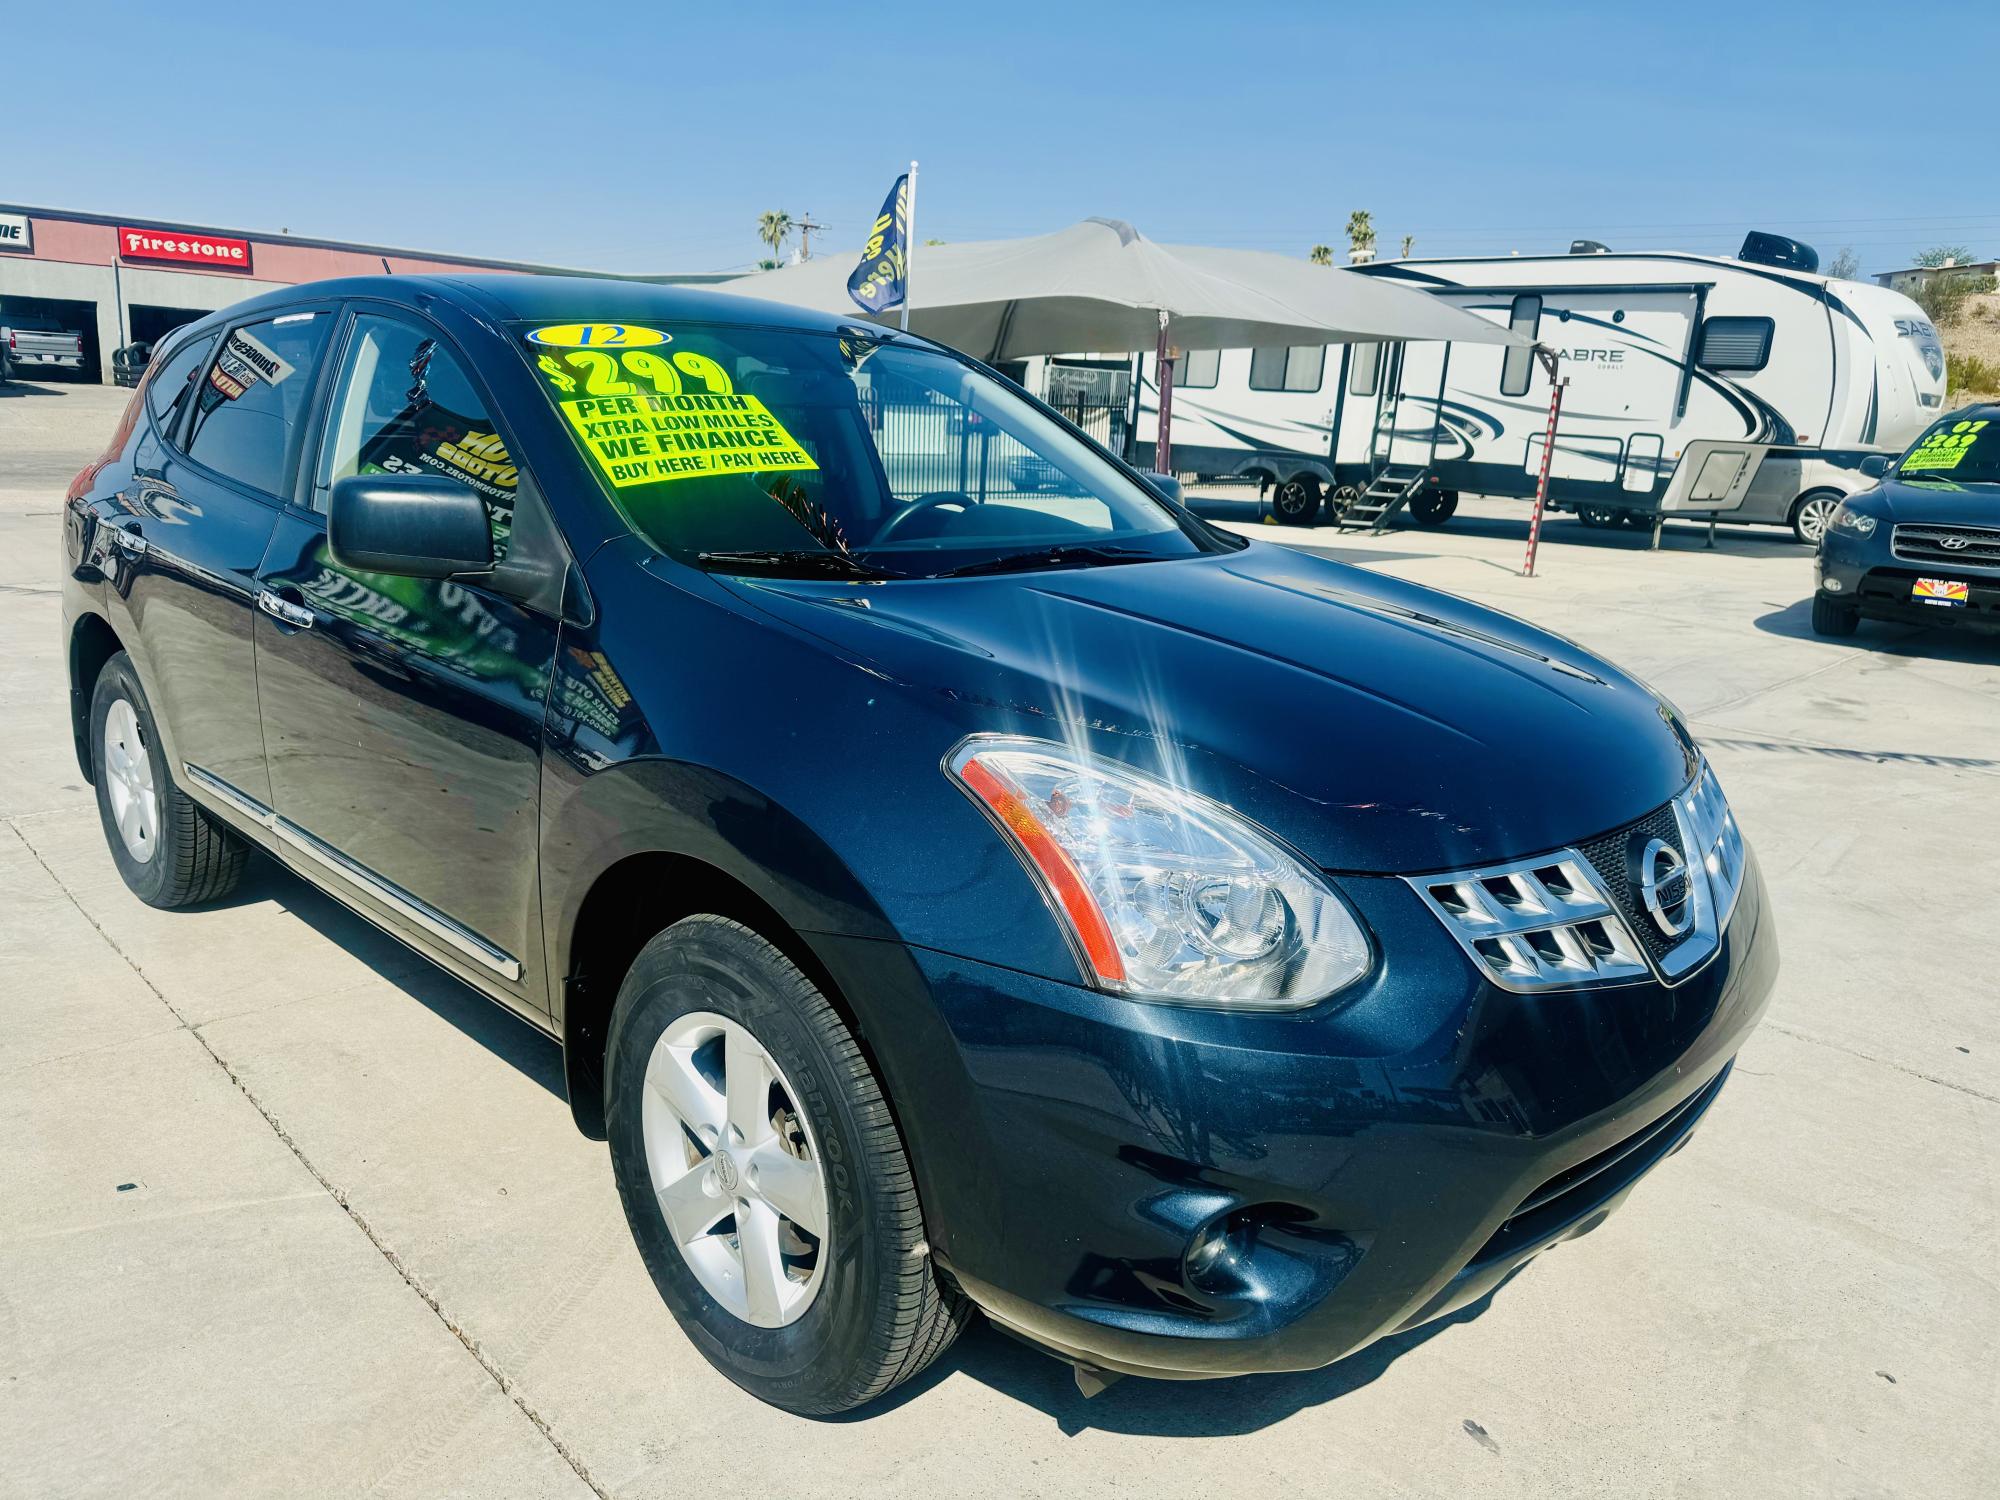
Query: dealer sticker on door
{"points": [[1948, 592]]}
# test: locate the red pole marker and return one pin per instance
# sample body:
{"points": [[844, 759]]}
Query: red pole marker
{"points": [[1548, 359]]}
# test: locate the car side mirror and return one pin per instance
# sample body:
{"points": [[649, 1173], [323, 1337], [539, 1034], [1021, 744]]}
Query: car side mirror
{"points": [[1167, 485], [1875, 465], [412, 525]]}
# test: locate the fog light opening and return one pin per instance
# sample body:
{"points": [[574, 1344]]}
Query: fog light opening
{"points": [[1832, 585], [1217, 1260]]}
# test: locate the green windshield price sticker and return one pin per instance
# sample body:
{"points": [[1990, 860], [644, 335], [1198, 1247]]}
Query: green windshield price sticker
{"points": [[643, 439], [643, 436], [1944, 448]]}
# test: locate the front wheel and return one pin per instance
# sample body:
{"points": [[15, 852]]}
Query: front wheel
{"points": [[1812, 514], [1296, 501], [763, 1176], [1834, 619], [1434, 507], [1597, 515]]}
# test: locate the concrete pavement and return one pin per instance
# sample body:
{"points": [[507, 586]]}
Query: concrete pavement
{"points": [[283, 1210]]}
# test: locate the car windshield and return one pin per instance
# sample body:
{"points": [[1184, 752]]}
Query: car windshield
{"points": [[853, 453], [1964, 450]]}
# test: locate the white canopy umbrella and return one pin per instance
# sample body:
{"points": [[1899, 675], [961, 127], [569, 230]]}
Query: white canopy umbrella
{"points": [[1101, 286]]}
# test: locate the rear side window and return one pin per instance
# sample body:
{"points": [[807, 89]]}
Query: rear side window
{"points": [[250, 407], [1365, 370], [1198, 369], [1519, 366], [167, 392], [1298, 368], [1739, 344]]}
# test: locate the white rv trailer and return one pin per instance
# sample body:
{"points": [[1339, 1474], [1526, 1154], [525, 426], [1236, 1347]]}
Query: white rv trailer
{"points": [[1667, 354]]}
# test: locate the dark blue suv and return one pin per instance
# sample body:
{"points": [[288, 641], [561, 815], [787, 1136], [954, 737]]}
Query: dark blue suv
{"points": [[959, 877]]}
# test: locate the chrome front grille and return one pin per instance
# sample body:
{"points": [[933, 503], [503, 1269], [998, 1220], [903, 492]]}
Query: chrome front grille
{"points": [[1537, 924], [1612, 856], [1965, 546], [1589, 914]]}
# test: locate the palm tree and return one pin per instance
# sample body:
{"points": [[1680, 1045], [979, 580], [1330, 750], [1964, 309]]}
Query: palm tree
{"points": [[774, 228], [1320, 255], [1360, 236], [1409, 244]]}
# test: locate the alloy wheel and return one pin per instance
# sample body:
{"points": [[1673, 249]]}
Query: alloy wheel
{"points": [[1815, 515], [735, 1168], [128, 773]]}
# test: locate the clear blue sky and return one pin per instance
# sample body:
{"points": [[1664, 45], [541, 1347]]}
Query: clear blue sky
{"points": [[563, 133]]}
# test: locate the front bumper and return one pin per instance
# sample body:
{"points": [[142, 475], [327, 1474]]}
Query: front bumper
{"points": [[1383, 1164], [1865, 573]]}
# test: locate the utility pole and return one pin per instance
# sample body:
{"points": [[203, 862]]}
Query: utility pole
{"points": [[805, 227]]}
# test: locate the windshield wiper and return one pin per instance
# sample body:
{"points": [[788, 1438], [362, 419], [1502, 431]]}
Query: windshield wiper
{"points": [[1052, 557], [793, 560]]}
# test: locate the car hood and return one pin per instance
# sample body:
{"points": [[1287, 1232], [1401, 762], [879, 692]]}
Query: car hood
{"points": [[1376, 725], [1939, 501]]}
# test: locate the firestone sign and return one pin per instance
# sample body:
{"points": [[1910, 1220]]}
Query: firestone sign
{"points": [[17, 234], [218, 252]]}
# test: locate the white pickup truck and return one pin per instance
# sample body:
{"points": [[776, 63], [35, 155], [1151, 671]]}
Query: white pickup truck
{"points": [[30, 342]]}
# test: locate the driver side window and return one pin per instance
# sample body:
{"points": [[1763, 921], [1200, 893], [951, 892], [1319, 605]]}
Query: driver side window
{"points": [[403, 405]]}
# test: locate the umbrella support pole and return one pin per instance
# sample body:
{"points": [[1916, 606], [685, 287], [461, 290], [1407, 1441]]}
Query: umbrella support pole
{"points": [[1548, 358], [1163, 450]]}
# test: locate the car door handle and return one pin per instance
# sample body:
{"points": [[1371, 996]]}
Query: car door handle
{"points": [[283, 610]]}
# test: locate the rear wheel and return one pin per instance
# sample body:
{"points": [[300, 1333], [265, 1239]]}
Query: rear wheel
{"points": [[168, 850], [1813, 513], [1339, 501], [1597, 515], [1296, 501], [1829, 617], [1434, 507], [763, 1176]]}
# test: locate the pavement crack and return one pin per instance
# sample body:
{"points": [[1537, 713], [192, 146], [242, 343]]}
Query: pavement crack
{"points": [[360, 1220], [1708, 710], [1820, 1041]]}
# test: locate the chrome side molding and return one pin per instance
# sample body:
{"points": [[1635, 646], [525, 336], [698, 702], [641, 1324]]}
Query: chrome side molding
{"points": [[410, 908]]}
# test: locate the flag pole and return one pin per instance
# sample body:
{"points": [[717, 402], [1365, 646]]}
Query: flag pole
{"points": [[909, 246]]}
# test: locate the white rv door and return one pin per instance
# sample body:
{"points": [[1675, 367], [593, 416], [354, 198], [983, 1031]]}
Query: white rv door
{"points": [[1414, 432]]}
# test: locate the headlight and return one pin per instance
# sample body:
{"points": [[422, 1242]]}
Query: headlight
{"points": [[1851, 520], [1164, 894]]}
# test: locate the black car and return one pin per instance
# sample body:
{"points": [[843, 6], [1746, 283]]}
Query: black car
{"points": [[1923, 546], [949, 891]]}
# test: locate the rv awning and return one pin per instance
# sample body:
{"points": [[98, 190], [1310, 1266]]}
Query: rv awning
{"points": [[1100, 286]]}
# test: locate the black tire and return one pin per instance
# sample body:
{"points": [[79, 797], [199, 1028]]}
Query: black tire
{"points": [[1296, 501], [1832, 618], [1339, 501], [194, 859], [1811, 513], [1598, 516], [1434, 507], [884, 1312]]}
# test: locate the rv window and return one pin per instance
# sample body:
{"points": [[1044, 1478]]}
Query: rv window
{"points": [[1519, 366], [1196, 370], [1741, 344], [1300, 368], [1366, 370]]}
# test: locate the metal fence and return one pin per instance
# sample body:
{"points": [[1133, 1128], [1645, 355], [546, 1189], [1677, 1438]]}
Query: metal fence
{"points": [[928, 447]]}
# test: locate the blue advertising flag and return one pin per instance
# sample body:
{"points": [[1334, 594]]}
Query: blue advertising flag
{"points": [[881, 281]]}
